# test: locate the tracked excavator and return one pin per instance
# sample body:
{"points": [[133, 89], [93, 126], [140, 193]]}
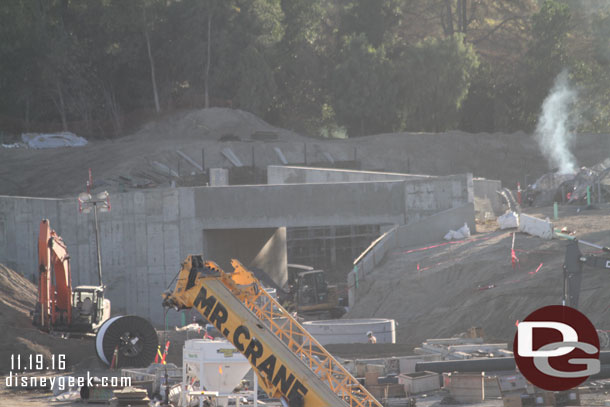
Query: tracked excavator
{"points": [[121, 341], [573, 266], [60, 307], [289, 362]]}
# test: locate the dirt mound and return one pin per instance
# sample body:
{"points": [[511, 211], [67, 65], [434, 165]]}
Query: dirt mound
{"points": [[212, 124], [20, 337], [16, 291], [440, 291], [128, 161]]}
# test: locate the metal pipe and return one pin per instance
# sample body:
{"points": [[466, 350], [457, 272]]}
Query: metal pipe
{"points": [[97, 244], [566, 236]]}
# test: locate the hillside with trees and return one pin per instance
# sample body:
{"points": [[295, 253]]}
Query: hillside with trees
{"points": [[320, 67]]}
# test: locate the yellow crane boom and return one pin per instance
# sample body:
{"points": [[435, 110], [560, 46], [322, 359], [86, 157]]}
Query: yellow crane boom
{"points": [[288, 361]]}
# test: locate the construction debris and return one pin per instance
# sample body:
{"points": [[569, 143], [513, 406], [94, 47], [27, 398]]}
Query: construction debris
{"points": [[130, 396], [463, 348], [571, 188]]}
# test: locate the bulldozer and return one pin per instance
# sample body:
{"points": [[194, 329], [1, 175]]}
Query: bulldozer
{"points": [[307, 292], [313, 297]]}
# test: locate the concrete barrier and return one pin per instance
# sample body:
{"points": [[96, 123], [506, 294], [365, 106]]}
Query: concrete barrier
{"points": [[536, 227], [352, 330], [368, 260]]}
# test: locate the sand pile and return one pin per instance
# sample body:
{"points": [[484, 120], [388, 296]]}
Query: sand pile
{"points": [[19, 336], [472, 283]]}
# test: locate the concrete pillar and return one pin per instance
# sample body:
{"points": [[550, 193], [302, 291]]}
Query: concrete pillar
{"points": [[263, 248], [219, 177]]}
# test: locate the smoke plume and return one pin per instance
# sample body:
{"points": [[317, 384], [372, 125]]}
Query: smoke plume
{"points": [[554, 131]]}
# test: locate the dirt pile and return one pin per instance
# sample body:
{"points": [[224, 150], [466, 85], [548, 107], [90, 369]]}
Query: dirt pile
{"points": [[129, 160], [435, 292], [212, 124], [133, 161], [17, 299]]}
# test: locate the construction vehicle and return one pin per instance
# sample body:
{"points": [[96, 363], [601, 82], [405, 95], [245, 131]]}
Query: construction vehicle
{"points": [[60, 307], [313, 297], [121, 341], [573, 265], [308, 293], [290, 364]]}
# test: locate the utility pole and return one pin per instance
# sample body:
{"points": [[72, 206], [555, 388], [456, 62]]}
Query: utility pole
{"points": [[86, 203]]}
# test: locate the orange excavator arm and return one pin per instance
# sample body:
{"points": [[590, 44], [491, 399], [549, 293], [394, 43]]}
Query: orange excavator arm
{"points": [[53, 264]]}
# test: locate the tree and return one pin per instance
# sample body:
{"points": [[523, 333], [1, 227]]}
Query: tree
{"points": [[435, 76], [257, 86], [364, 92], [301, 67], [545, 58]]}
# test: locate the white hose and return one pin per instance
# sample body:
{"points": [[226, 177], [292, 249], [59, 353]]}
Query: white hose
{"points": [[99, 339]]}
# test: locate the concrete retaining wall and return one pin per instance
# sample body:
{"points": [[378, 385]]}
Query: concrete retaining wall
{"points": [[148, 233], [368, 260], [427, 230], [486, 198], [306, 175], [261, 206], [424, 195], [433, 228]]}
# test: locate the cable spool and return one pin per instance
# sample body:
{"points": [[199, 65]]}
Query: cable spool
{"points": [[135, 338]]}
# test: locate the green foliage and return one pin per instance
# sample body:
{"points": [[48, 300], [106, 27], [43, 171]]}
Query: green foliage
{"points": [[436, 75], [546, 57], [364, 92], [257, 86], [317, 66]]}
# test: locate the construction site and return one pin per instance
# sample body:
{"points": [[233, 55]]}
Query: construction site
{"points": [[431, 243], [305, 203]]}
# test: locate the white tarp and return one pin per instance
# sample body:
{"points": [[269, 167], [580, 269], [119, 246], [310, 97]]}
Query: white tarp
{"points": [[13, 145], [508, 221], [461, 233], [53, 140]]}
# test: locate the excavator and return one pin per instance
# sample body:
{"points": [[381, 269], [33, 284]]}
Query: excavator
{"points": [[290, 363], [60, 307], [573, 265]]}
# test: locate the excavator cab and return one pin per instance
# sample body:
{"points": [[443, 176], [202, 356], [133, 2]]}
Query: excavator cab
{"points": [[312, 288], [315, 298], [90, 308]]}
